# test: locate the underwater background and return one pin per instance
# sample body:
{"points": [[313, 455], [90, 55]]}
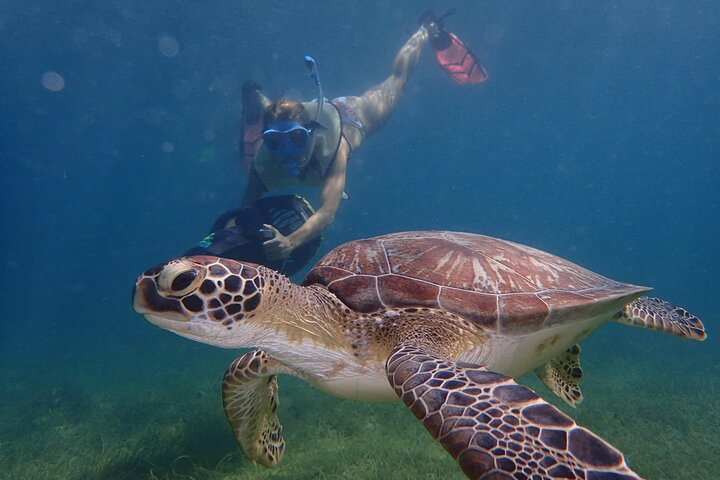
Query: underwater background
{"points": [[596, 138]]}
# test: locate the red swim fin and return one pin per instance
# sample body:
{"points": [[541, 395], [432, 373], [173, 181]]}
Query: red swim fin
{"points": [[457, 60]]}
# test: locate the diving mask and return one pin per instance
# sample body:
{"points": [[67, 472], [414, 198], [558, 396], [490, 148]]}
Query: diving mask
{"points": [[287, 138]]}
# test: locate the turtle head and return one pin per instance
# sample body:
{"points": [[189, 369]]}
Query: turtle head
{"points": [[208, 299]]}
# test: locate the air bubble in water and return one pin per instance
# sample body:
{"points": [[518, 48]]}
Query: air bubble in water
{"points": [[53, 81], [168, 45]]}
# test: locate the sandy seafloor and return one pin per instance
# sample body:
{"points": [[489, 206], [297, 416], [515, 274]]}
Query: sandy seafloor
{"points": [[596, 138], [108, 413]]}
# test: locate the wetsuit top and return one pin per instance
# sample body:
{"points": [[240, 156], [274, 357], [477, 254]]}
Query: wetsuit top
{"points": [[325, 139]]}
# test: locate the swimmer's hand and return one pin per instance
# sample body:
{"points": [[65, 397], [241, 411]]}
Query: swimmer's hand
{"points": [[278, 246]]}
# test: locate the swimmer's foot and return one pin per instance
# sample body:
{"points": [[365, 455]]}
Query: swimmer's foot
{"points": [[431, 23], [435, 25]]}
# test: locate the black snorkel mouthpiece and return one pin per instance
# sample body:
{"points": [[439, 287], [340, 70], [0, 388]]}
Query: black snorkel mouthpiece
{"points": [[313, 72]]}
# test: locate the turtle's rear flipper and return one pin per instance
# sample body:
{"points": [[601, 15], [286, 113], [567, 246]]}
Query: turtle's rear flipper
{"points": [[496, 428], [657, 314], [562, 375], [250, 398]]}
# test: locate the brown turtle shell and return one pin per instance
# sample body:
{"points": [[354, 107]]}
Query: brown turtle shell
{"points": [[494, 283]]}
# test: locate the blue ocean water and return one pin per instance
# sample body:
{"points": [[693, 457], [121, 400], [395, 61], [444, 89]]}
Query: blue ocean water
{"points": [[596, 138]]}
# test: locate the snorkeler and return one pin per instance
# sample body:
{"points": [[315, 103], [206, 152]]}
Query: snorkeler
{"points": [[287, 142], [291, 143]]}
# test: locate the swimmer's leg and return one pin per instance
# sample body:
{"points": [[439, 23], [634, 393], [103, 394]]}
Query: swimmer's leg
{"points": [[374, 107]]}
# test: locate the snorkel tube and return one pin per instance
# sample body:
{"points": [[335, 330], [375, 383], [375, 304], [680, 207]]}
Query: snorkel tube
{"points": [[292, 163], [312, 68]]}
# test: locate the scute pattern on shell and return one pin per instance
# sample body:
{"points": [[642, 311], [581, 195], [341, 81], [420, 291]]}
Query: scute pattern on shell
{"points": [[492, 282]]}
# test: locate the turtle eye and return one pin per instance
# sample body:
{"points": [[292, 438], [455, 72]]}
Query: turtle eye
{"points": [[183, 281], [178, 279]]}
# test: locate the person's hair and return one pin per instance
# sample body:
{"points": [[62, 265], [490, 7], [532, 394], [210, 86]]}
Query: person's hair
{"points": [[285, 110]]}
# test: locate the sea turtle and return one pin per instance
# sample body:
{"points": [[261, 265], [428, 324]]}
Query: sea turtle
{"points": [[442, 320]]}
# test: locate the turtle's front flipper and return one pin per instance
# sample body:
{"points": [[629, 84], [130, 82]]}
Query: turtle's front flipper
{"points": [[250, 398], [495, 428], [655, 313]]}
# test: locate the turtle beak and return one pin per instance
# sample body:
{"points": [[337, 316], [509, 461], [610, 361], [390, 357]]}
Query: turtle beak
{"points": [[132, 298], [147, 301]]}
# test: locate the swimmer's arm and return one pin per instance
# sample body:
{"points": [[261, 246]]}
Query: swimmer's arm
{"points": [[330, 197]]}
